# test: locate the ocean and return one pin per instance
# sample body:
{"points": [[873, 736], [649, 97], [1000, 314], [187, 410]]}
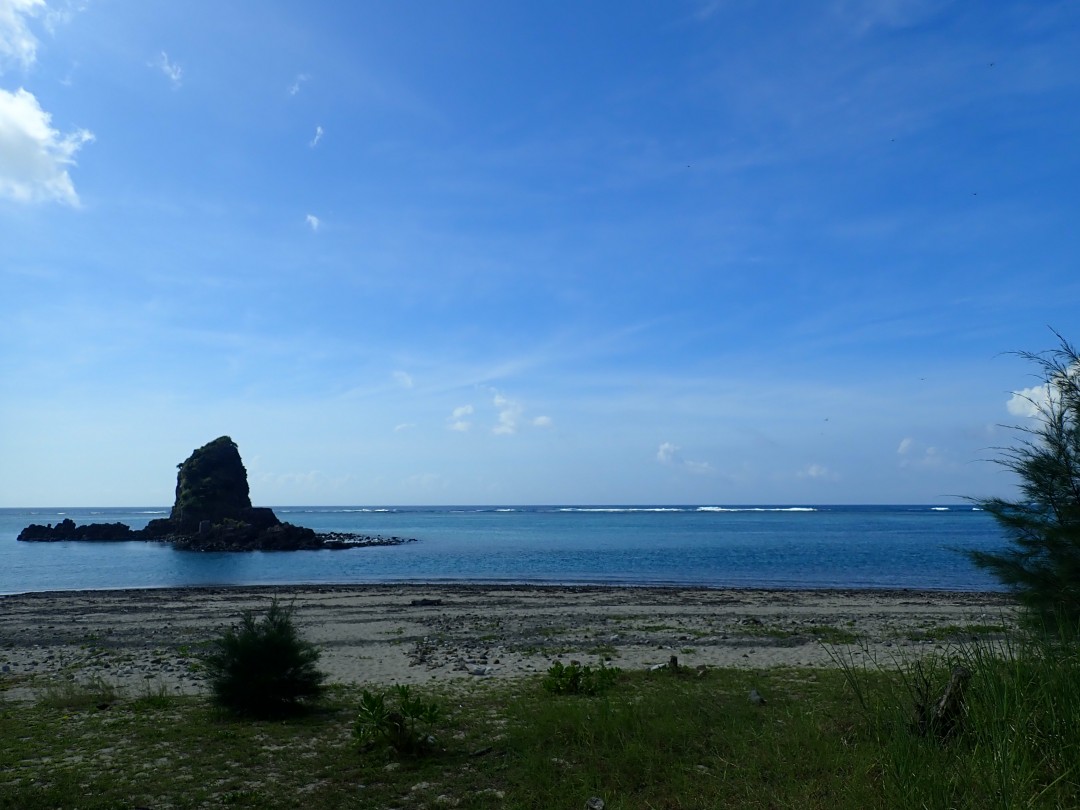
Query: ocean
{"points": [[713, 546]]}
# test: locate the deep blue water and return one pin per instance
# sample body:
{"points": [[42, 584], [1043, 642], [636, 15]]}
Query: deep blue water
{"points": [[795, 547]]}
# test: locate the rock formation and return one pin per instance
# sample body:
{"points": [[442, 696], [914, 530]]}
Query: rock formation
{"points": [[212, 512]]}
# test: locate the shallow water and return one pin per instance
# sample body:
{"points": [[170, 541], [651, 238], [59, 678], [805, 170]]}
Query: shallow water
{"points": [[793, 547]]}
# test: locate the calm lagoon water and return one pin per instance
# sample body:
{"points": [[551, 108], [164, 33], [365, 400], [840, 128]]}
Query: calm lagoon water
{"points": [[789, 547]]}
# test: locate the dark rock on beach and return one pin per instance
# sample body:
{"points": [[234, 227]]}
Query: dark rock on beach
{"points": [[212, 512]]}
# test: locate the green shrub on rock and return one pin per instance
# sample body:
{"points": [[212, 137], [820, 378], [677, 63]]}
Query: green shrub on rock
{"points": [[262, 667]]}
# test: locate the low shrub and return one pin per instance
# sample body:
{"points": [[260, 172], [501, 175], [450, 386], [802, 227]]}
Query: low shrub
{"points": [[263, 668], [405, 722], [576, 679]]}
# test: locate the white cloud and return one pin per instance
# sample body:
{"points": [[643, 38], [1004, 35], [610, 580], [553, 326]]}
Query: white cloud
{"points": [[865, 15], [543, 422], [915, 454], [1029, 402], [294, 88], [17, 43], [403, 378], [1041, 400], [33, 156], [55, 17], [404, 426], [173, 71], [668, 453], [509, 415], [457, 420], [817, 472], [318, 137], [313, 222]]}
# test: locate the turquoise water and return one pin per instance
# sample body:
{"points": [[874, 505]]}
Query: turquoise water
{"points": [[791, 547]]}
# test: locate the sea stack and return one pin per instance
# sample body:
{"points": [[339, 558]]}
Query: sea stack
{"points": [[213, 511], [211, 485]]}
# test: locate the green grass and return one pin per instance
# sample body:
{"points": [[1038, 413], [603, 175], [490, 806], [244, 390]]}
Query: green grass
{"points": [[957, 632], [833, 738]]}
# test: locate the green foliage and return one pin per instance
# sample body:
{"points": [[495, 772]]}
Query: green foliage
{"points": [[263, 668], [657, 741], [1042, 564], [576, 679], [405, 724], [1018, 742], [97, 692]]}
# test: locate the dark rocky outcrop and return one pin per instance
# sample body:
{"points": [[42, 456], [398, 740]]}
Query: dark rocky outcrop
{"points": [[212, 512], [211, 485], [67, 529]]}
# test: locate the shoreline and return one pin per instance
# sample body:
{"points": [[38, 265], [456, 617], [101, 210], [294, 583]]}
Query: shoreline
{"points": [[496, 584], [152, 638]]}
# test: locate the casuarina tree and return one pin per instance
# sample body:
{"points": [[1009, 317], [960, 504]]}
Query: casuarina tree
{"points": [[1041, 563]]}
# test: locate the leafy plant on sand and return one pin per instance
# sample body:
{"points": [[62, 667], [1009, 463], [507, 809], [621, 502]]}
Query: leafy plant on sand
{"points": [[406, 726], [262, 667], [576, 679], [1042, 565]]}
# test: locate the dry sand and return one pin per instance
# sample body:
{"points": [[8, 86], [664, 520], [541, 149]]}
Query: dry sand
{"points": [[152, 639]]}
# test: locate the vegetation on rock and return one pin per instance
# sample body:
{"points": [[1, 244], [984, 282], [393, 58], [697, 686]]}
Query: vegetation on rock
{"points": [[211, 485]]}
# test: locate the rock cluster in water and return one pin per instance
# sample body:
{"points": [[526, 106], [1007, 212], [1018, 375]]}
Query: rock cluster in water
{"points": [[212, 512]]}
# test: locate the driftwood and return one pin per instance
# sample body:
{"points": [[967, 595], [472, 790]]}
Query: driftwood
{"points": [[942, 718]]}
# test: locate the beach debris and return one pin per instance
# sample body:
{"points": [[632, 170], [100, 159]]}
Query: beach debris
{"points": [[480, 672], [426, 602], [672, 664], [756, 698], [943, 718]]}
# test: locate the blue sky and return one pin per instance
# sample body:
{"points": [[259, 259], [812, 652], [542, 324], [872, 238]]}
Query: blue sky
{"points": [[483, 252]]}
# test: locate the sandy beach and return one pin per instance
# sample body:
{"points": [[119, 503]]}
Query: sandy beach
{"points": [[417, 633]]}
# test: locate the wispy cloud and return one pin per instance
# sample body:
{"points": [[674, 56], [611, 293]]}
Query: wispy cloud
{"points": [[403, 378], [57, 16], [171, 69], [294, 88], [817, 472], [670, 455], [33, 156], [866, 15], [17, 44], [509, 414], [313, 222], [458, 418], [318, 137], [404, 426], [914, 453]]}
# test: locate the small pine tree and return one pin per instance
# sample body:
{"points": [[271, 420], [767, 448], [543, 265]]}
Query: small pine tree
{"points": [[263, 668], [1042, 564]]}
